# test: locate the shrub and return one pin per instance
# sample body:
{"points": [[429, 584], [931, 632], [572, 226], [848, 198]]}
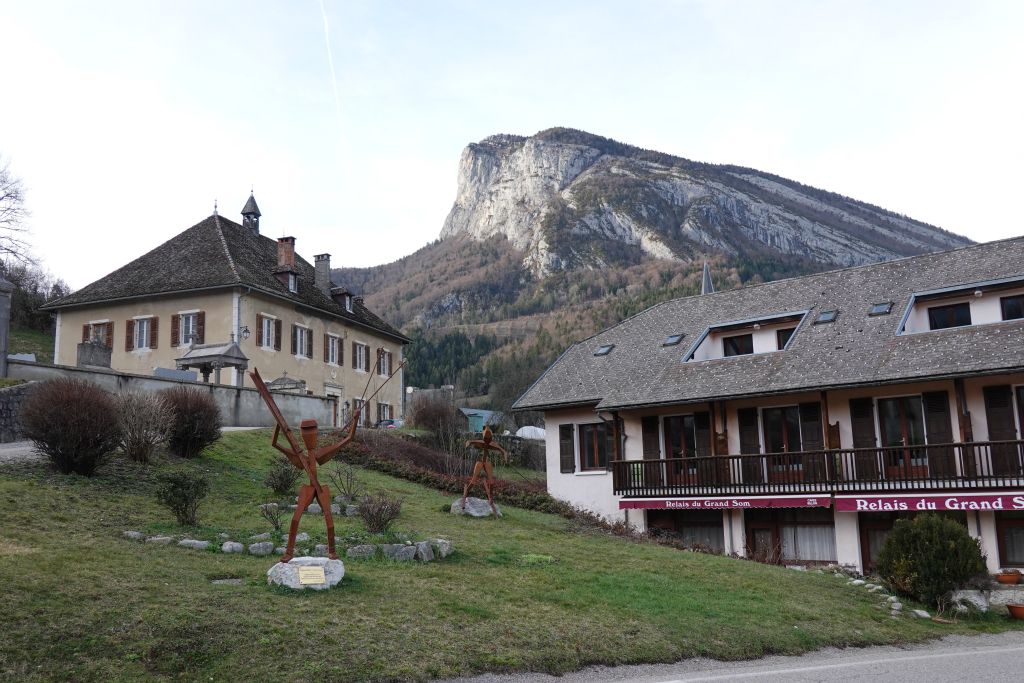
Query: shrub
{"points": [[929, 556], [73, 422], [195, 422], [378, 511], [272, 513], [145, 423], [345, 481], [282, 476], [182, 493]]}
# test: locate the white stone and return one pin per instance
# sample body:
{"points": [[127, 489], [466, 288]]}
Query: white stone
{"points": [[856, 582], [442, 547], [896, 606], [320, 550], [134, 535], [260, 537], [287, 573], [398, 551], [261, 548], [894, 613], [351, 510], [475, 507], [300, 538], [194, 544], [424, 553], [970, 599], [279, 550], [314, 509], [159, 540], [227, 582], [361, 552], [231, 547], [921, 614]]}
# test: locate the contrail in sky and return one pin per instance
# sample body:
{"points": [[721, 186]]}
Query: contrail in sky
{"points": [[330, 62]]}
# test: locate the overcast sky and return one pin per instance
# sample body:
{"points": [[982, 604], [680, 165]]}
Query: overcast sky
{"points": [[126, 120]]}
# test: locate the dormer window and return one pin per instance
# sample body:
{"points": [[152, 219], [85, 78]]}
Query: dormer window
{"points": [[348, 303], [764, 334], [783, 336], [739, 345], [963, 305], [1012, 307], [293, 282], [604, 350], [953, 315]]}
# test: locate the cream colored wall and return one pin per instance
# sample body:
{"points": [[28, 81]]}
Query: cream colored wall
{"points": [[589, 490], [974, 391]]}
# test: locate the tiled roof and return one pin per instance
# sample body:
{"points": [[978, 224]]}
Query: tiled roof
{"points": [[217, 253], [854, 350]]}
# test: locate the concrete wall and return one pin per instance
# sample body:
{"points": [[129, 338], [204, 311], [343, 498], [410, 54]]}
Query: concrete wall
{"points": [[239, 407], [11, 399]]}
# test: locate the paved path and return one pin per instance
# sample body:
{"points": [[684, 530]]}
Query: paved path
{"points": [[989, 658], [17, 451]]}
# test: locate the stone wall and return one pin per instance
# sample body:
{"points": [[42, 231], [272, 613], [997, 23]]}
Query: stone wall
{"points": [[239, 407], [11, 399]]}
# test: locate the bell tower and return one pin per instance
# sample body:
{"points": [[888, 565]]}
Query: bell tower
{"points": [[251, 215]]}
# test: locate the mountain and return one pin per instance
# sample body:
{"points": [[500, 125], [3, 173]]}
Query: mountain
{"points": [[555, 236]]}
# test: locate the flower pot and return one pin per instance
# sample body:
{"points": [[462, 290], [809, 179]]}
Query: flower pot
{"points": [[1008, 577], [1016, 611]]}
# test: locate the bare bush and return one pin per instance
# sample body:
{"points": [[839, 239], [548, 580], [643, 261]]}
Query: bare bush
{"points": [[345, 481], [282, 476], [73, 422], [196, 420], [145, 423], [441, 418], [272, 513], [379, 511]]}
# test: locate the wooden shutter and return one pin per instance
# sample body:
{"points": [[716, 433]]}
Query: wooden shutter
{"points": [[378, 411], [750, 443], [110, 335], [354, 356], [341, 352], [154, 331], [259, 330], [366, 360], [862, 423], [85, 333], [295, 340], [309, 343], [175, 329], [702, 425], [999, 416], [129, 335], [327, 341], [708, 471], [649, 436], [938, 430], [201, 327], [812, 439], [277, 335], [566, 447]]}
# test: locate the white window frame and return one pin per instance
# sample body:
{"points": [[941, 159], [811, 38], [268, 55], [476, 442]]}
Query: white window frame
{"points": [[269, 327], [141, 337], [293, 282], [333, 346], [385, 364], [362, 356], [188, 320], [303, 336], [94, 327], [384, 411]]}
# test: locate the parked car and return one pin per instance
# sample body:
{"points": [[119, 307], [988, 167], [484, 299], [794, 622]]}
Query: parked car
{"points": [[388, 424]]}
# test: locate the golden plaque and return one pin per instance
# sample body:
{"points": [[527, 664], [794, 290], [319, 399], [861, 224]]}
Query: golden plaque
{"points": [[311, 576]]}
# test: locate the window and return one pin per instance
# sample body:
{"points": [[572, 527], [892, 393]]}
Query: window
{"points": [[783, 336], [826, 317], [385, 364], [673, 339], [596, 448], [738, 345], [302, 341], [140, 333], [881, 309], [954, 315], [101, 333], [348, 303], [332, 350], [360, 357], [268, 332], [1013, 307], [604, 350], [383, 412], [293, 282], [364, 414], [781, 429], [187, 327]]}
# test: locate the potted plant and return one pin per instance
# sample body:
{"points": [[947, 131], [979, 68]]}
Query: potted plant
{"points": [[1008, 576], [1016, 611]]}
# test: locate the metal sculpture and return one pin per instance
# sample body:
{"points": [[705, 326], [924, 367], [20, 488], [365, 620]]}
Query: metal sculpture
{"points": [[483, 464], [311, 457]]}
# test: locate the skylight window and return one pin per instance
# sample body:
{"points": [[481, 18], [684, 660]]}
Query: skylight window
{"points": [[826, 317], [884, 308], [673, 339], [604, 350]]}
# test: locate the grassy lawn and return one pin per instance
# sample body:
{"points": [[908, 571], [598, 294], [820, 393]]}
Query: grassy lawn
{"points": [[31, 341], [81, 603]]}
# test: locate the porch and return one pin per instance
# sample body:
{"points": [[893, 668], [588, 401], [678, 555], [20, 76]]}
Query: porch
{"points": [[952, 466]]}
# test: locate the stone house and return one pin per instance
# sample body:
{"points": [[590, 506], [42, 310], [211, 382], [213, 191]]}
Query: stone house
{"points": [[221, 298], [797, 420]]}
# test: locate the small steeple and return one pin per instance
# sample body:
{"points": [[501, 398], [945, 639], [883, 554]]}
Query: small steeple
{"points": [[251, 215], [706, 286]]}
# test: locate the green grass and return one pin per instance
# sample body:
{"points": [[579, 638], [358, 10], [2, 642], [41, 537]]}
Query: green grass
{"points": [[81, 603], [31, 341]]}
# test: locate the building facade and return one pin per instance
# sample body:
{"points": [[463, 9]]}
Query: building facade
{"points": [[220, 291], [796, 420]]}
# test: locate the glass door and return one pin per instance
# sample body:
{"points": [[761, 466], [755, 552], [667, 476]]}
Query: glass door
{"points": [[782, 437], [681, 446], [901, 421]]}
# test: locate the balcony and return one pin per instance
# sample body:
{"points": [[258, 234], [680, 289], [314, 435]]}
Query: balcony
{"points": [[979, 465]]}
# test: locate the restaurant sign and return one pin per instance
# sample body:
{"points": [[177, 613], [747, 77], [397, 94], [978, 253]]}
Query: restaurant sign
{"points": [[916, 503], [725, 503]]}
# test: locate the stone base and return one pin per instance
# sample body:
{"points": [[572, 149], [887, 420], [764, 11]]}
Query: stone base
{"points": [[287, 573], [475, 507]]}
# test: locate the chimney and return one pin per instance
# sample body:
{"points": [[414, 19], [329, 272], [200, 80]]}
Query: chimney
{"points": [[286, 253], [322, 276]]}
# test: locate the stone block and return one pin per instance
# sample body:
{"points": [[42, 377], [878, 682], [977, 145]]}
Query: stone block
{"points": [[475, 507], [398, 552], [231, 547], [424, 553], [134, 535], [261, 548], [442, 547], [159, 540], [194, 544], [287, 573], [361, 552]]}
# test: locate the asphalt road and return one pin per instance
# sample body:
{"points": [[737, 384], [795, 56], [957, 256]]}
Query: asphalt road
{"points": [[989, 658]]}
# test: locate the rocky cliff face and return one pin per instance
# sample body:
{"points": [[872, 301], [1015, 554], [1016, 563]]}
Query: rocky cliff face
{"points": [[570, 199]]}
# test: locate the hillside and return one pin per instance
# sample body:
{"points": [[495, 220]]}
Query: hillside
{"points": [[555, 236]]}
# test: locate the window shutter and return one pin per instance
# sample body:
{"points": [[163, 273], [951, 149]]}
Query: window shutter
{"points": [[354, 356], [702, 426], [999, 416], [378, 411], [201, 327], [366, 360], [175, 329], [649, 437], [277, 335], [85, 333], [295, 336], [259, 330], [566, 450], [812, 438], [341, 352], [862, 423], [327, 341], [750, 443], [938, 430], [309, 343], [129, 335], [110, 335], [154, 331]]}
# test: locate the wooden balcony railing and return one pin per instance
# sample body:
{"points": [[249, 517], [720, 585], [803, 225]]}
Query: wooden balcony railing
{"points": [[982, 465]]}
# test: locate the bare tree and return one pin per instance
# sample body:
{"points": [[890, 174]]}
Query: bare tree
{"points": [[13, 217]]}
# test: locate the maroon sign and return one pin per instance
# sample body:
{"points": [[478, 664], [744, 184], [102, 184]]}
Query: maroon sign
{"points": [[727, 503], [951, 501]]}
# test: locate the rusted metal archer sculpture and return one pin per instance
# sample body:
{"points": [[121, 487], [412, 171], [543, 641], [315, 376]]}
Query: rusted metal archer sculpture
{"points": [[483, 464], [312, 456]]}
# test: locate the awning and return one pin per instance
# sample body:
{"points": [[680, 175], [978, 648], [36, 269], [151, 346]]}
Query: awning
{"points": [[916, 502], [727, 503]]}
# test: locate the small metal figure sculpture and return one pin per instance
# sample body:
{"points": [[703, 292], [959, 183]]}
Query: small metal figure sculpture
{"points": [[484, 465]]}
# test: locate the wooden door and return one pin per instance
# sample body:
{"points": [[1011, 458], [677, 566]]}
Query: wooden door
{"points": [[901, 421], [1001, 427]]}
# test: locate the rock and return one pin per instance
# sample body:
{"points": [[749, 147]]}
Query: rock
{"points": [[315, 509], [796, 567], [159, 540], [424, 553], [398, 552], [300, 538], [260, 537], [869, 586], [194, 544], [892, 598], [442, 547], [351, 510], [856, 582], [262, 548], [134, 535], [223, 536], [335, 509], [475, 507], [361, 552], [227, 582], [279, 550], [895, 613], [287, 573], [877, 589], [320, 550], [970, 599], [232, 547], [896, 606], [920, 614]]}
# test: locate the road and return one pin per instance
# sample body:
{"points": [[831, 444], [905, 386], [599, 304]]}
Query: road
{"points": [[990, 658]]}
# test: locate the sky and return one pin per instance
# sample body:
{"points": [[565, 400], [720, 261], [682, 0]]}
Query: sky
{"points": [[126, 121]]}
